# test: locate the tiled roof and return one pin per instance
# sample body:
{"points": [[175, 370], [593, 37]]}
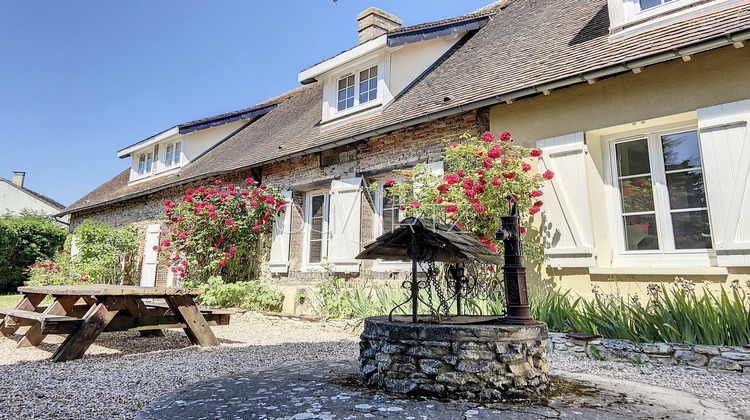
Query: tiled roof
{"points": [[528, 44], [36, 195]]}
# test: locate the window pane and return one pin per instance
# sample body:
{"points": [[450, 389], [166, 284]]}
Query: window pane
{"points": [[345, 95], [647, 4], [632, 158], [317, 206], [681, 151], [168, 159], [141, 164], [637, 194], [686, 190], [640, 232], [315, 251], [691, 230]]}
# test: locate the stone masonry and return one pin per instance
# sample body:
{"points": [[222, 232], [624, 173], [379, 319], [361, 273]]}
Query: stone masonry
{"points": [[481, 361], [733, 358]]}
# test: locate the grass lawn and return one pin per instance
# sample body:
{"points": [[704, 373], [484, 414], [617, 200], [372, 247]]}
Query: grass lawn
{"points": [[9, 301]]}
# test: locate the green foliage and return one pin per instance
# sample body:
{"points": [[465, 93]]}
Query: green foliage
{"points": [[594, 352], [24, 239], [243, 294], [673, 313], [216, 230], [103, 251], [103, 257], [54, 271]]}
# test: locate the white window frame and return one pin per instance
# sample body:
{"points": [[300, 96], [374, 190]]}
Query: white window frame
{"points": [[666, 255], [383, 265], [148, 170], [306, 264], [330, 90], [166, 164]]}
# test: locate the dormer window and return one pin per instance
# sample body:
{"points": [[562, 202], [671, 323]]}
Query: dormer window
{"points": [[629, 16]]}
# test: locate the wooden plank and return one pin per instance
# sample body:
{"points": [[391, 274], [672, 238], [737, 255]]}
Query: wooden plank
{"points": [[137, 308], [96, 321], [197, 329], [204, 310], [30, 315], [145, 323], [61, 306], [28, 303]]}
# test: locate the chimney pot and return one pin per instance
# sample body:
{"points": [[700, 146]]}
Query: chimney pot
{"points": [[374, 22], [18, 178]]}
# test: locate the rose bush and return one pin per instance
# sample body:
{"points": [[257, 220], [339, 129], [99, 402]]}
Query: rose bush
{"points": [[215, 230], [480, 174]]}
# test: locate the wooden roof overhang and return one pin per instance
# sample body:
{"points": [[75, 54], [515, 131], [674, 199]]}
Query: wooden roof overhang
{"points": [[443, 242]]}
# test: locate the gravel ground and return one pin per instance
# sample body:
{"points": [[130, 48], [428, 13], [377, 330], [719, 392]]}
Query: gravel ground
{"points": [[122, 372]]}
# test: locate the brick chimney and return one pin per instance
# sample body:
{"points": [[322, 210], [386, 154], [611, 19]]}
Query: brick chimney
{"points": [[18, 178], [374, 22]]}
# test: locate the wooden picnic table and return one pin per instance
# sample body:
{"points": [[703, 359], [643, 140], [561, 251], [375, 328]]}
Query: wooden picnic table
{"points": [[85, 311]]}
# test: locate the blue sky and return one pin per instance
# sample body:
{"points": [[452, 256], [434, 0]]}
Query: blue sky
{"points": [[82, 79]]}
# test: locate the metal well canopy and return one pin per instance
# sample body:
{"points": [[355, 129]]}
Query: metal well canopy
{"points": [[439, 242]]}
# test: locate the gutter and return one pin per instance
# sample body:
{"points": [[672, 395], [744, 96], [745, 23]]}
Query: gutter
{"points": [[589, 76]]}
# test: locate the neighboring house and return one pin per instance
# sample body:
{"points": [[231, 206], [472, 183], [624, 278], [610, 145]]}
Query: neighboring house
{"points": [[641, 108], [16, 199]]}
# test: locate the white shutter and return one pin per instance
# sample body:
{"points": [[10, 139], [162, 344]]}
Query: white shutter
{"points": [[725, 151], [568, 236], [279, 260], [150, 256], [344, 224]]}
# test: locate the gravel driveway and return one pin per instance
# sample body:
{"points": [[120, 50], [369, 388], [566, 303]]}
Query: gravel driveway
{"points": [[122, 372]]}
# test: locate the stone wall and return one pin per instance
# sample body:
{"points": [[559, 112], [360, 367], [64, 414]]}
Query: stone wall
{"points": [[373, 158], [486, 362], [734, 358]]}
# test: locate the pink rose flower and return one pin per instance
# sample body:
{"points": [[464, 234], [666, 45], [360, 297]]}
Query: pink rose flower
{"points": [[526, 167], [487, 136], [536, 152], [415, 204], [451, 208], [505, 136], [389, 182], [548, 175], [509, 175], [249, 181]]}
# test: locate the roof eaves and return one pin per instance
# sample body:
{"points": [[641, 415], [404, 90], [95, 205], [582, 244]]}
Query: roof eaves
{"points": [[253, 112], [423, 34]]}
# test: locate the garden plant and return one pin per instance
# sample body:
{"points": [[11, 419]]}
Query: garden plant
{"points": [[217, 230]]}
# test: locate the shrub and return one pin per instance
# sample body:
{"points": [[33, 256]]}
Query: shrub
{"points": [[24, 239], [243, 294], [104, 252], [481, 173], [216, 229]]}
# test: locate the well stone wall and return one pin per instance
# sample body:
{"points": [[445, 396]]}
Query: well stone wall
{"points": [[483, 361]]}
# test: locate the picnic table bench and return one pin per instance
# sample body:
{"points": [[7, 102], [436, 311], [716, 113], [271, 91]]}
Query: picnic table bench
{"points": [[82, 312]]}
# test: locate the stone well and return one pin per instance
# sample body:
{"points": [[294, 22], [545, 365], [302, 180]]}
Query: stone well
{"points": [[474, 361]]}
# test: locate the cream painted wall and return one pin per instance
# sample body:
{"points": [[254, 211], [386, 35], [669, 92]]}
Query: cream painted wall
{"points": [[200, 141], [13, 200], [664, 94], [411, 60]]}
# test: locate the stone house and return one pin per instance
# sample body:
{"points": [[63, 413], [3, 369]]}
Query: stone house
{"points": [[629, 99]]}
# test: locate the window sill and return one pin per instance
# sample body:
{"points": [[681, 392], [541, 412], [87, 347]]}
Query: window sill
{"points": [[661, 271]]}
